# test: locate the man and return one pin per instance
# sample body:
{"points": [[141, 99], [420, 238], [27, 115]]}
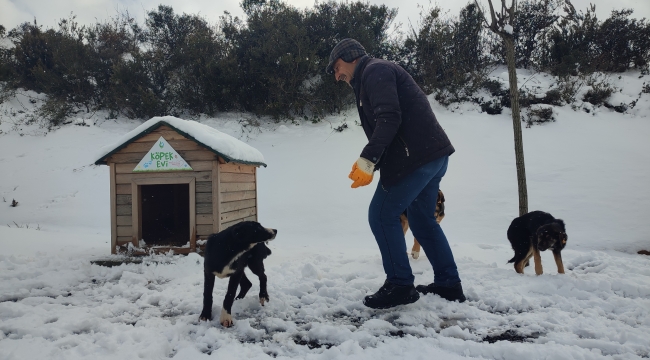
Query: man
{"points": [[411, 151]]}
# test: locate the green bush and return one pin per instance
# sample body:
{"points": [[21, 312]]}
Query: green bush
{"points": [[534, 20], [622, 41], [493, 107], [538, 115], [445, 55], [600, 90], [570, 43], [281, 52], [54, 112]]}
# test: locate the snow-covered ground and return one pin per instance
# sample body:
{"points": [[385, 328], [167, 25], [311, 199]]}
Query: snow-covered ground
{"points": [[590, 169]]}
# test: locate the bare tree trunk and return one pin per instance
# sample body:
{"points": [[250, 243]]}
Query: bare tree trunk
{"points": [[499, 22], [516, 124]]}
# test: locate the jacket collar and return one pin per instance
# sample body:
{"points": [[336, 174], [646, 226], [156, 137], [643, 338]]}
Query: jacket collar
{"points": [[358, 72]]}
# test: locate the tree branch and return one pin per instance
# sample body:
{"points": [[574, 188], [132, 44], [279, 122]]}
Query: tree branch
{"points": [[487, 24]]}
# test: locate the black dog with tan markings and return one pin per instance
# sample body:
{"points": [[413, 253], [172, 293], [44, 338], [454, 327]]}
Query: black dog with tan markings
{"points": [[227, 254], [534, 232]]}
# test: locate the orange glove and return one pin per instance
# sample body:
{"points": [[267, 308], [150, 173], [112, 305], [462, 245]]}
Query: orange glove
{"points": [[361, 172]]}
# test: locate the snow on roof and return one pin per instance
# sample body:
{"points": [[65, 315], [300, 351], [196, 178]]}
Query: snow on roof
{"points": [[226, 146]]}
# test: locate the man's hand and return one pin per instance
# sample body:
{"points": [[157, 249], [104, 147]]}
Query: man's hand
{"points": [[361, 172]]}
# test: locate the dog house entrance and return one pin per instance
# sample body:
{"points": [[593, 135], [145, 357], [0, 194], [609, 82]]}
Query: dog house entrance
{"points": [[165, 214]]}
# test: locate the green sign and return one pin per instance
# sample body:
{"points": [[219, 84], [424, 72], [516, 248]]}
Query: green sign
{"points": [[162, 157]]}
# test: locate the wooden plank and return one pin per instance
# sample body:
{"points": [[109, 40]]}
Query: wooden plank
{"points": [[204, 208], [124, 220], [168, 135], [124, 231], [138, 147], [236, 168], [203, 186], [166, 249], [230, 187], [204, 198], [123, 189], [193, 226], [163, 180], [239, 214], [204, 219], [125, 168], [231, 223], [256, 197], [198, 155], [122, 158], [203, 230], [147, 177], [145, 146], [123, 199], [201, 165], [186, 155], [237, 205], [186, 145], [123, 240], [237, 178], [122, 210], [136, 208], [113, 209], [216, 209], [236, 196]]}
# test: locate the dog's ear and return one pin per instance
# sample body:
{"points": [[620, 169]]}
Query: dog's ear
{"points": [[557, 227], [563, 235]]}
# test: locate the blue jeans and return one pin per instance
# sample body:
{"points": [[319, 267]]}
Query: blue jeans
{"points": [[418, 192]]}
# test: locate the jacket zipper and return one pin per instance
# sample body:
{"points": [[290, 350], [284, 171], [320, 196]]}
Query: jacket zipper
{"points": [[404, 142]]}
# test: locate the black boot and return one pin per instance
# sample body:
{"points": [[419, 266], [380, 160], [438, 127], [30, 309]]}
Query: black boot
{"points": [[451, 293], [390, 295]]}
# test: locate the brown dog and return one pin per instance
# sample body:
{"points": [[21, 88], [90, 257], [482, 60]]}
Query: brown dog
{"points": [[439, 214]]}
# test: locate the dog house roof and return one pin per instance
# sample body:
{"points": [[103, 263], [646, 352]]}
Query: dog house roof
{"points": [[224, 145]]}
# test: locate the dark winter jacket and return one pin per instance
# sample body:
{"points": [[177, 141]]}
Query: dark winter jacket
{"points": [[403, 133]]}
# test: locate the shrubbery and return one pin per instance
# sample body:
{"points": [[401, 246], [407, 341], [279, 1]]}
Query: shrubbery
{"points": [[272, 61], [538, 115]]}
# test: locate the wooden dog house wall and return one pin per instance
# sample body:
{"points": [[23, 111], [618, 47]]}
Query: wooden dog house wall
{"points": [[220, 193]]}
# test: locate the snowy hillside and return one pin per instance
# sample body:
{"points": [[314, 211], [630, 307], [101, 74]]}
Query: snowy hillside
{"points": [[588, 168]]}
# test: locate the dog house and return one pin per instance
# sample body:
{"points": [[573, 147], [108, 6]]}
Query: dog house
{"points": [[174, 181]]}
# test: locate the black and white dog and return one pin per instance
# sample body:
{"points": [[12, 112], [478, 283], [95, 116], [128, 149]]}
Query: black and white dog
{"points": [[227, 254], [534, 232]]}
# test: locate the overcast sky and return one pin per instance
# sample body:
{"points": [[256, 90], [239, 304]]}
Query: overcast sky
{"points": [[49, 12]]}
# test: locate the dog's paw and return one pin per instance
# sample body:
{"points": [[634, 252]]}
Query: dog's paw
{"points": [[205, 316], [415, 254], [264, 299], [225, 319]]}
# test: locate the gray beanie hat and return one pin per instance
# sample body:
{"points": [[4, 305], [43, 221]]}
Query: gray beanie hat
{"points": [[348, 50]]}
